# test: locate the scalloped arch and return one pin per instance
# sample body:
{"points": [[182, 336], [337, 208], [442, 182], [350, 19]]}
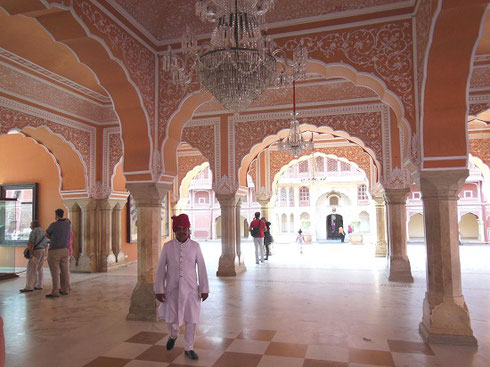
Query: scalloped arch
{"points": [[269, 140], [64, 26], [306, 157], [66, 165]]}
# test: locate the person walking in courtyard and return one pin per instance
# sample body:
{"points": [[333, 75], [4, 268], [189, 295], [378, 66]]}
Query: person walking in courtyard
{"points": [[257, 229], [341, 234], [267, 238], [176, 285], [58, 254], [300, 240], [37, 248]]}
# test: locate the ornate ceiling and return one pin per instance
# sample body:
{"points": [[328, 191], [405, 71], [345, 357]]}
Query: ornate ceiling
{"points": [[165, 19]]}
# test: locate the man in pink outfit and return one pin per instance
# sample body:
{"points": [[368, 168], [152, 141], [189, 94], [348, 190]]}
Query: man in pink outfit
{"points": [[176, 284]]}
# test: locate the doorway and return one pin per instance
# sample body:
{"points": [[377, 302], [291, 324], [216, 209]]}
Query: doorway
{"points": [[334, 221]]}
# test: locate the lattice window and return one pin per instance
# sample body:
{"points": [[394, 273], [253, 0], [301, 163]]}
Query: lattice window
{"points": [[304, 196], [362, 192], [303, 167], [332, 165], [320, 164], [284, 200], [291, 196], [344, 166]]}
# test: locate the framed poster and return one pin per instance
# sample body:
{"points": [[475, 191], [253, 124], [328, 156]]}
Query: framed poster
{"points": [[132, 219], [17, 216]]}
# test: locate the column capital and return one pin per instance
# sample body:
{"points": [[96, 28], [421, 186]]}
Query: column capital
{"points": [[227, 199], [379, 200], [396, 196], [445, 183], [147, 194], [87, 204]]}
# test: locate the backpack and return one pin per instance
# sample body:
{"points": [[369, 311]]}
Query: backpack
{"points": [[255, 232]]}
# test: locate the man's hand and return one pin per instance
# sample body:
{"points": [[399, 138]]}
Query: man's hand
{"points": [[160, 297], [204, 296]]}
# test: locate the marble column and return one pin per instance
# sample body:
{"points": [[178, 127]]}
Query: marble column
{"points": [[481, 231], [87, 261], [446, 317], [381, 245], [74, 213], [265, 208], [228, 263], [148, 197], [238, 245], [104, 233], [399, 265], [119, 255]]}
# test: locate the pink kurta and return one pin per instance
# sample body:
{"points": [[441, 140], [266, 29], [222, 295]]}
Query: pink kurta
{"points": [[177, 279]]}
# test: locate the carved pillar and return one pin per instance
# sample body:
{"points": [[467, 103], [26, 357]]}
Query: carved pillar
{"points": [[74, 213], [104, 233], [228, 264], [148, 198], [481, 231], [399, 265], [263, 196], [239, 259], [381, 245], [445, 315], [87, 261], [119, 256]]}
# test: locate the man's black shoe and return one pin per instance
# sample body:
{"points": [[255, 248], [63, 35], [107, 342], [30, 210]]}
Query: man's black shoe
{"points": [[170, 343], [191, 354]]}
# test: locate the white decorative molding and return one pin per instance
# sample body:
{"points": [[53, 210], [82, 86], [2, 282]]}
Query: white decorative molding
{"points": [[312, 112], [398, 179], [225, 186], [386, 138]]}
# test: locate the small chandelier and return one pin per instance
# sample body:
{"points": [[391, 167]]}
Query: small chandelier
{"points": [[295, 144], [239, 62]]}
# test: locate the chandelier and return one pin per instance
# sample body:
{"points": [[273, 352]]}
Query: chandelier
{"points": [[295, 144], [240, 62]]}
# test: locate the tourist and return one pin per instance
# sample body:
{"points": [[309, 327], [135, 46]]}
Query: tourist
{"points": [[37, 249], [268, 239], [257, 229], [300, 240], [58, 254]]}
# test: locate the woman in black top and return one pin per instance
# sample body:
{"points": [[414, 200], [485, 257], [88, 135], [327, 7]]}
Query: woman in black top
{"points": [[267, 238]]}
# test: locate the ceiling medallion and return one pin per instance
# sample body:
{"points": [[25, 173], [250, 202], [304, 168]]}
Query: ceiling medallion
{"points": [[240, 62], [295, 144]]}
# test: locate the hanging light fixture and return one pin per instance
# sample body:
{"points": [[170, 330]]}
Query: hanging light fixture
{"points": [[239, 63], [295, 144]]}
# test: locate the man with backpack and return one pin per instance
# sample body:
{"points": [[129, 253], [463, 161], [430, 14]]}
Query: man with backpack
{"points": [[257, 228]]}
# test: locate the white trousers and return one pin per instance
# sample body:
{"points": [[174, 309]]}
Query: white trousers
{"points": [[190, 333], [259, 246], [34, 277]]}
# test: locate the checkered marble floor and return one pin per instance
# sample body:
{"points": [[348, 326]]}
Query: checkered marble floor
{"points": [[264, 348]]}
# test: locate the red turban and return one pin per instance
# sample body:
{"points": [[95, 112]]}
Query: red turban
{"points": [[180, 221]]}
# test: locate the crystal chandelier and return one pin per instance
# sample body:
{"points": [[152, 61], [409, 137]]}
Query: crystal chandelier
{"points": [[295, 144], [239, 63]]}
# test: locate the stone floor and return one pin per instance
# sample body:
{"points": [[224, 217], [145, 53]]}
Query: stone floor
{"points": [[330, 306]]}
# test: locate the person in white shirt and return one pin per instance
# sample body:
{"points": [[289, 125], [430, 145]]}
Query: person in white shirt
{"points": [[300, 239], [176, 285]]}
